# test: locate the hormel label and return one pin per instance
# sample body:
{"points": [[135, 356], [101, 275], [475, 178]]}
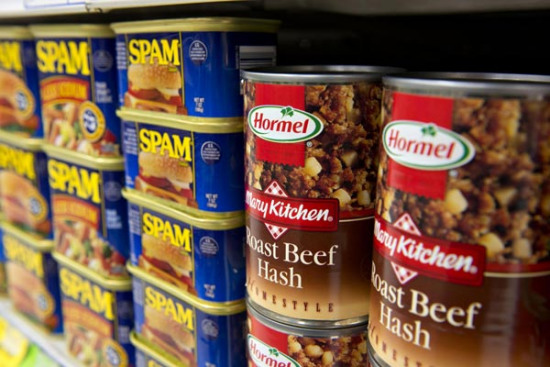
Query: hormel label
{"points": [[319, 215], [264, 355], [449, 261], [283, 124], [426, 146]]}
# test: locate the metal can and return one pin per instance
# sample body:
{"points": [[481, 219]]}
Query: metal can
{"points": [[147, 356], [19, 90], [196, 333], [24, 189], [77, 74], [272, 343], [204, 257], [97, 314], [89, 213], [461, 262], [310, 168], [190, 66], [194, 166], [3, 278], [32, 278]]}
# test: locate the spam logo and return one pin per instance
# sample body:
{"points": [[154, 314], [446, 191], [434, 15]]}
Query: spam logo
{"points": [[19, 253], [161, 52], [167, 231], [87, 294], [18, 161], [171, 145], [74, 180], [63, 57], [169, 308], [10, 56]]}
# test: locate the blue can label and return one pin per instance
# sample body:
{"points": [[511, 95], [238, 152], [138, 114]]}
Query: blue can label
{"points": [[78, 89], [192, 336], [189, 73], [25, 193], [33, 282], [97, 321], [90, 216], [178, 166], [19, 90]]}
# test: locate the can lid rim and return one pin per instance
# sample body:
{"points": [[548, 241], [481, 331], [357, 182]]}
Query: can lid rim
{"points": [[37, 243], [207, 24]]}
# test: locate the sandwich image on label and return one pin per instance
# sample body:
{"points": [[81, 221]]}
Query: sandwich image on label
{"points": [[154, 87], [16, 104]]}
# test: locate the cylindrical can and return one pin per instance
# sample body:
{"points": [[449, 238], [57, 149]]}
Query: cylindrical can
{"points": [[272, 343], [204, 257], [194, 332], [32, 277], [461, 262], [89, 213], [310, 167], [151, 357], [190, 66], [97, 314], [19, 90], [24, 189], [77, 73], [195, 166]]}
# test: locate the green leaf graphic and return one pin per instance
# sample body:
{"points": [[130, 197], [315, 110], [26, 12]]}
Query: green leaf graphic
{"points": [[429, 130], [273, 352]]}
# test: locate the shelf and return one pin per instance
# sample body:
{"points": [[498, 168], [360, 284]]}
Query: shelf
{"points": [[53, 346]]}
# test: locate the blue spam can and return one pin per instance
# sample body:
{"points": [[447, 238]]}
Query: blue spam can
{"points": [[24, 189], [98, 316], [77, 73], [195, 333], [147, 356], [204, 257], [190, 66], [19, 90], [194, 166], [89, 213], [33, 281], [2, 264]]}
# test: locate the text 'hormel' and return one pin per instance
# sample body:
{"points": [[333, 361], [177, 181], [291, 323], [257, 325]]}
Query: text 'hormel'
{"points": [[450, 261], [314, 215]]}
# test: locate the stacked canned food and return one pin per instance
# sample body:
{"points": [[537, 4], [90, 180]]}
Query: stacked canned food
{"points": [[183, 148], [312, 138], [32, 277], [85, 170]]}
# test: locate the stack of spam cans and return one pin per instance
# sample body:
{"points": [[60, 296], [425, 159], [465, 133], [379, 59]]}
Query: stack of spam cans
{"points": [[312, 136], [183, 146], [32, 277], [85, 170]]}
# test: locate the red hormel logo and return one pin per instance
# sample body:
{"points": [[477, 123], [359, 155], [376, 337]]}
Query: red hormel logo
{"points": [[280, 212], [426, 146], [411, 253], [264, 355], [283, 124]]}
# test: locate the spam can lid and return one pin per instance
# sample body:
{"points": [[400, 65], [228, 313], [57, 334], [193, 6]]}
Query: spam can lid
{"points": [[152, 203], [71, 30], [30, 144], [124, 284], [214, 24], [155, 353], [308, 74], [15, 32], [98, 163], [212, 308], [189, 123], [34, 241]]}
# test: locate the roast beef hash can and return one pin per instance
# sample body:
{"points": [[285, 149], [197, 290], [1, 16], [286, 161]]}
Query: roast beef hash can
{"points": [[97, 314], [193, 332], [204, 257], [190, 66], [272, 343], [195, 166], [310, 170], [19, 90], [24, 189], [32, 278], [461, 261], [89, 213], [77, 72]]}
